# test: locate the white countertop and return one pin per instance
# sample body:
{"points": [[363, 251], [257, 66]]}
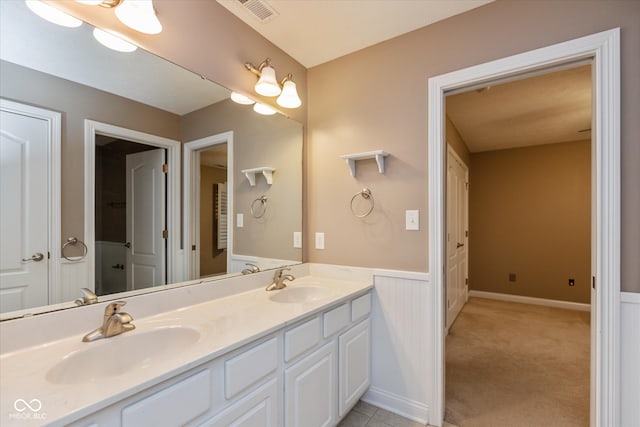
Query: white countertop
{"points": [[224, 324]]}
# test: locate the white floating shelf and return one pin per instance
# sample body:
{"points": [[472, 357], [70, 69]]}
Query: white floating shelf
{"points": [[379, 155], [251, 174]]}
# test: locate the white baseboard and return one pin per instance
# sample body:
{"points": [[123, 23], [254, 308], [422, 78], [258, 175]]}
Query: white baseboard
{"points": [[531, 300], [397, 404]]}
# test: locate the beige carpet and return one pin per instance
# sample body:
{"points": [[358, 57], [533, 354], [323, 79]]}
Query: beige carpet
{"points": [[517, 365]]}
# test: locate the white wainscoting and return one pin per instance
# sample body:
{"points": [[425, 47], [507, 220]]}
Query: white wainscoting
{"points": [[629, 359], [402, 329]]}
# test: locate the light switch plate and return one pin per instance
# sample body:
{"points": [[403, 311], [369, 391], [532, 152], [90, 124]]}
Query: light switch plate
{"points": [[297, 239], [240, 220], [412, 220], [319, 240]]}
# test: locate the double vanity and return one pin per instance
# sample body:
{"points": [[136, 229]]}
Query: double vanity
{"points": [[215, 354]]}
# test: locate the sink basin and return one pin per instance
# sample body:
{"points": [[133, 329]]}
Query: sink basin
{"points": [[300, 294], [118, 355]]}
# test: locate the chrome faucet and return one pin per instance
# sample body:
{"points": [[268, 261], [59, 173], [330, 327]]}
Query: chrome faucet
{"points": [[88, 297], [278, 279], [114, 323], [251, 268]]}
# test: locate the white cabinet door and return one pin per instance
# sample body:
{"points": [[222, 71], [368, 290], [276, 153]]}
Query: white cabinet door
{"points": [[258, 409], [355, 365], [310, 389]]}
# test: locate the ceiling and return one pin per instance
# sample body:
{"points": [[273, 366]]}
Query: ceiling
{"points": [[543, 109], [317, 31]]}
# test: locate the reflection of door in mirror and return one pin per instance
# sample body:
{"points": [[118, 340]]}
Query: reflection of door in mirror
{"points": [[208, 201], [27, 150], [130, 215]]}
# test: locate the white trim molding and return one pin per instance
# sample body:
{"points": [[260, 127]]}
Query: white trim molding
{"points": [[604, 50], [629, 357], [568, 305]]}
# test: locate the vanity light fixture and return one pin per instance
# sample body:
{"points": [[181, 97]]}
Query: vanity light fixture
{"points": [[113, 41], [289, 97], [136, 14], [51, 14], [268, 85]]}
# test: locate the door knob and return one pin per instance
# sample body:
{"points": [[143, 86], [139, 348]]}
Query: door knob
{"points": [[38, 256], [459, 245]]}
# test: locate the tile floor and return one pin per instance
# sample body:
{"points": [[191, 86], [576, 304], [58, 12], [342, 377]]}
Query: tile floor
{"points": [[366, 415]]}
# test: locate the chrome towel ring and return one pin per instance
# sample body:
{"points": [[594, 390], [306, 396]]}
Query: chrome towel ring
{"points": [[367, 196], [259, 207], [73, 241]]}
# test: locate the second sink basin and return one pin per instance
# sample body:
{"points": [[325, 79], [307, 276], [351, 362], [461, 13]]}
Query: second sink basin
{"points": [[300, 294], [118, 355]]}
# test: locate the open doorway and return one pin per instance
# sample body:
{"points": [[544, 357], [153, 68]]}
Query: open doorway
{"points": [[604, 49], [527, 143], [131, 211]]}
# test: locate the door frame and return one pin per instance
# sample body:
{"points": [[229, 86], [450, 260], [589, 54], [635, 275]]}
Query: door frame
{"points": [[91, 128], [192, 199], [604, 49], [54, 216]]}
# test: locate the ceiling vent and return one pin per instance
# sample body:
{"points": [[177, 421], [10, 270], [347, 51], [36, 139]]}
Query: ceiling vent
{"points": [[260, 9]]}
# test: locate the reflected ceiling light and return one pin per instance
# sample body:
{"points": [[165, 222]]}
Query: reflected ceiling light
{"points": [[52, 14], [241, 99], [137, 14], [268, 85], [289, 97], [263, 109], [113, 41]]}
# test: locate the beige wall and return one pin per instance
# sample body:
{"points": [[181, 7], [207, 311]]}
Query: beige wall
{"points": [[77, 103], [529, 214], [455, 141], [212, 260], [377, 99]]}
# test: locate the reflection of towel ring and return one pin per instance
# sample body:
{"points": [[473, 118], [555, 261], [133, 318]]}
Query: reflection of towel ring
{"points": [[259, 207], [366, 195], [72, 241]]}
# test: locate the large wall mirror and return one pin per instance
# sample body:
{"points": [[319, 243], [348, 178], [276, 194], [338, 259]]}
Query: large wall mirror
{"points": [[122, 172]]}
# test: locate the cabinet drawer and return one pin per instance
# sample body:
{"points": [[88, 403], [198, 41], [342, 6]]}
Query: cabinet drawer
{"points": [[301, 338], [336, 319], [175, 405], [249, 367], [360, 307]]}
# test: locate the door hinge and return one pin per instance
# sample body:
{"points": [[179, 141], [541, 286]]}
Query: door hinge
{"points": [[593, 282], [165, 234], [466, 233], [466, 185], [466, 281], [48, 255], [193, 247], [165, 168]]}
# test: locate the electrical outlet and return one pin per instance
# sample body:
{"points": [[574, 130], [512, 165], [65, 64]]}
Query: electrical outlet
{"points": [[319, 240], [572, 282], [297, 239]]}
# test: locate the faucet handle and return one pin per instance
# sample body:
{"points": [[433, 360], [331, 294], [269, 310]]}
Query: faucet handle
{"points": [[113, 308]]}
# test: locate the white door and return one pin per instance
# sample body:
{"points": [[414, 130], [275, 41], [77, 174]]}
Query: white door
{"points": [[457, 236], [146, 219], [24, 211]]}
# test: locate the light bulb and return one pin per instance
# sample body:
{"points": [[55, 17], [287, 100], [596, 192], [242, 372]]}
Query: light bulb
{"points": [[139, 15], [267, 84], [52, 14], [289, 97]]}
